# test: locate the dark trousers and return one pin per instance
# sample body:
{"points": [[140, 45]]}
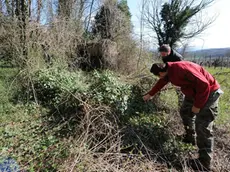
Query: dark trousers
{"points": [[201, 125]]}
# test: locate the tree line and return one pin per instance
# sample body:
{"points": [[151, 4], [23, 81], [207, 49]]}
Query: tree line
{"points": [[71, 30]]}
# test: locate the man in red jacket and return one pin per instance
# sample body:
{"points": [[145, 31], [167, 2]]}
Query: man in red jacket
{"points": [[200, 105]]}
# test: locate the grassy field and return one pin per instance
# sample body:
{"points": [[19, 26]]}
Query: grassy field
{"points": [[37, 149], [22, 137], [223, 77]]}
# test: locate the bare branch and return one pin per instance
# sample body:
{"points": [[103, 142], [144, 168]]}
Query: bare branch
{"points": [[177, 19]]}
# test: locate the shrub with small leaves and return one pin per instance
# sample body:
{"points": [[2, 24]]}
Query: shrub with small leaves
{"points": [[61, 93], [55, 86], [176, 150], [106, 88]]}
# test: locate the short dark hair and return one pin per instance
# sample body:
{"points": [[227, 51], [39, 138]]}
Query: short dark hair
{"points": [[159, 67], [164, 48]]}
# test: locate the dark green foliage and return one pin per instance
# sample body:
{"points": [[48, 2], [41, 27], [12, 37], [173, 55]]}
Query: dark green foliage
{"points": [[112, 20], [60, 92], [107, 89], [136, 103], [174, 18], [102, 24], [23, 135], [123, 6], [55, 86]]}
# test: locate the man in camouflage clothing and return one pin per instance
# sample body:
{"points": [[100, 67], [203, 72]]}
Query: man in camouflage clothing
{"points": [[200, 105]]}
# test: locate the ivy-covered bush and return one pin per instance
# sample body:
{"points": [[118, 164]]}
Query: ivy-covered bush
{"points": [[107, 89], [55, 87]]}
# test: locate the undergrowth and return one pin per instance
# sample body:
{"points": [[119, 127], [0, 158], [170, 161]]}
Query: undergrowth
{"points": [[74, 121]]}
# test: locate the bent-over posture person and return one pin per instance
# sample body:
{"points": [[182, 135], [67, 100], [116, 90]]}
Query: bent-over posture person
{"points": [[170, 55], [200, 105]]}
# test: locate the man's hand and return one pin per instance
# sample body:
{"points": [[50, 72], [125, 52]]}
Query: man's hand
{"points": [[195, 109], [146, 97]]}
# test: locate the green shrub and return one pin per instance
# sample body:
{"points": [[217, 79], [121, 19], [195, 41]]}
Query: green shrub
{"points": [[61, 92], [136, 105], [56, 86], [107, 89]]}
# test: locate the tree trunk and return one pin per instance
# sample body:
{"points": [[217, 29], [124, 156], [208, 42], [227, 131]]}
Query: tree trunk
{"points": [[29, 8], [1, 6], [90, 13], [39, 6], [23, 27], [21, 13], [12, 8]]}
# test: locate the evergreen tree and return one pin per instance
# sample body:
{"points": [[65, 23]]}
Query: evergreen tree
{"points": [[112, 20], [123, 6], [172, 22]]}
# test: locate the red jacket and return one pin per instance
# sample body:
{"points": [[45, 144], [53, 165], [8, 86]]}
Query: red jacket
{"points": [[194, 80]]}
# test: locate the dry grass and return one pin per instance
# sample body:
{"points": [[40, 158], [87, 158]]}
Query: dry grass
{"points": [[97, 146]]}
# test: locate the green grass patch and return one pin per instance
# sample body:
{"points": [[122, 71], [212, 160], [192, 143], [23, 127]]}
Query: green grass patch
{"points": [[7, 76], [222, 75], [23, 136]]}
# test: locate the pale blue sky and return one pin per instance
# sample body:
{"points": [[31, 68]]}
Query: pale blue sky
{"points": [[216, 36]]}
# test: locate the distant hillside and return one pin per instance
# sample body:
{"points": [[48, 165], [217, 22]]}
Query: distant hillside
{"points": [[214, 52]]}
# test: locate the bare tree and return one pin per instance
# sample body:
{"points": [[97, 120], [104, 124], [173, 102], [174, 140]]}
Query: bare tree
{"points": [[1, 6], [29, 8], [39, 7], [21, 7], [141, 30], [176, 20], [81, 8], [90, 13]]}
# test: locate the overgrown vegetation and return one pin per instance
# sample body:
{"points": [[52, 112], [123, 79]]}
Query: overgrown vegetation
{"points": [[70, 100], [91, 122]]}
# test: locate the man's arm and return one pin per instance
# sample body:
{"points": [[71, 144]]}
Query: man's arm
{"points": [[157, 87]]}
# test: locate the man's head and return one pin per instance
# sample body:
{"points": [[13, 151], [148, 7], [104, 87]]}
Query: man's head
{"points": [[164, 50], [159, 69]]}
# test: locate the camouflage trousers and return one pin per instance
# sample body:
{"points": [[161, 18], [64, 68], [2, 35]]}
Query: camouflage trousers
{"points": [[201, 125], [180, 96]]}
